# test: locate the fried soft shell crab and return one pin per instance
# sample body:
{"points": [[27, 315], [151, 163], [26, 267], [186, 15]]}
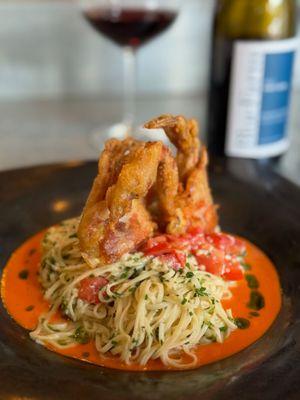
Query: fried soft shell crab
{"points": [[142, 189]]}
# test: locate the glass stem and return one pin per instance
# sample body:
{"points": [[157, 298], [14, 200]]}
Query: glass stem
{"points": [[129, 88]]}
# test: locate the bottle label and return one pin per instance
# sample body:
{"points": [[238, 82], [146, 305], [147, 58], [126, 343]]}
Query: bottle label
{"points": [[259, 97]]}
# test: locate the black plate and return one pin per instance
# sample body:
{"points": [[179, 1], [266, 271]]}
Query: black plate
{"points": [[255, 203]]}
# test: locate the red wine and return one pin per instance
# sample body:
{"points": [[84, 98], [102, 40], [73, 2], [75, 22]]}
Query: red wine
{"points": [[129, 27]]}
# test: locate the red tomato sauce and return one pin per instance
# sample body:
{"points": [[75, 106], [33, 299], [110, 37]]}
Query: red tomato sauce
{"points": [[23, 298]]}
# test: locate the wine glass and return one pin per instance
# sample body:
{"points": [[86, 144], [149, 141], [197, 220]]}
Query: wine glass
{"points": [[129, 24]]}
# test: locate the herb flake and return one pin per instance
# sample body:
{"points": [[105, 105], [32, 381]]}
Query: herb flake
{"points": [[242, 323], [252, 281], [81, 336], [257, 300]]}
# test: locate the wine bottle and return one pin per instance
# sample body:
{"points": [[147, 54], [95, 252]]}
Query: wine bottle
{"points": [[253, 53]]}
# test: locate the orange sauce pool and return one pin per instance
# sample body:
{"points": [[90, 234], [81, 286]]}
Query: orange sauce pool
{"points": [[23, 298]]}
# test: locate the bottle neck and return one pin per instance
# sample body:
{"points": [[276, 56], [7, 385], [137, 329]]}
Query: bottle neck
{"points": [[255, 19]]}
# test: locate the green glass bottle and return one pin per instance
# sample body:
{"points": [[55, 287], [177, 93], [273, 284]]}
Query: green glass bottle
{"points": [[253, 53]]}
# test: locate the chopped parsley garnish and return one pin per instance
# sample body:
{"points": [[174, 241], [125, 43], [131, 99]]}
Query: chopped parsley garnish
{"points": [[246, 266], [32, 251], [184, 300], [189, 274], [252, 281], [257, 301], [254, 314], [200, 291], [135, 274], [81, 336], [242, 323], [23, 274]]}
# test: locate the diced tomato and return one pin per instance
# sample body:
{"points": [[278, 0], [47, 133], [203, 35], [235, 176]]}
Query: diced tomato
{"points": [[221, 251], [181, 257], [160, 248], [179, 242], [229, 270], [233, 271], [196, 237], [188, 241], [175, 259], [226, 242], [239, 247], [197, 242], [212, 263], [195, 231], [220, 240], [89, 288], [152, 242]]}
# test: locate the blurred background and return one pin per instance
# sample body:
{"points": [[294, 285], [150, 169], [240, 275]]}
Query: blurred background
{"points": [[59, 79], [49, 50]]}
